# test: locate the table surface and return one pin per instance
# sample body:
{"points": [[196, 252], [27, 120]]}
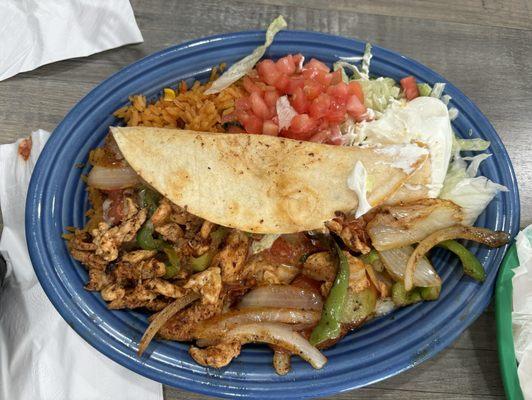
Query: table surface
{"points": [[483, 46]]}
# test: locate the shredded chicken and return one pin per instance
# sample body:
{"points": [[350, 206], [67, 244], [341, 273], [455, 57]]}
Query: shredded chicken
{"points": [[352, 231], [165, 288], [98, 279], [108, 240], [232, 257], [208, 283], [216, 356], [170, 231], [89, 259], [262, 272], [134, 257], [181, 325], [146, 269]]}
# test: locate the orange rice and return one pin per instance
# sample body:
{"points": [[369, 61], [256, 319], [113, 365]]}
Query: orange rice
{"points": [[182, 107]]}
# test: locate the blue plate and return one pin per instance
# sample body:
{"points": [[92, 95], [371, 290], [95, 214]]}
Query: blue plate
{"points": [[380, 349]]}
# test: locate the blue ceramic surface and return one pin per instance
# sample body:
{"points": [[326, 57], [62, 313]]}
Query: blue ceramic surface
{"points": [[380, 349]]}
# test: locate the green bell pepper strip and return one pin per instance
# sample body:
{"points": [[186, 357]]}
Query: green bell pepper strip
{"points": [[371, 257], [472, 267], [403, 298], [430, 293], [424, 89], [330, 324], [145, 237], [173, 264], [202, 262], [150, 199]]}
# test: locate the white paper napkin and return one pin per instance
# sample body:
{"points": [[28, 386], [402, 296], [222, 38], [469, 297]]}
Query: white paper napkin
{"points": [[522, 310], [38, 32], [41, 357]]}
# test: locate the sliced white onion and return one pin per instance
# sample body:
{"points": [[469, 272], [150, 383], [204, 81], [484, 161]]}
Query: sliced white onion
{"points": [[107, 178], [395, 261], [218, 325], [401, 225], [285, 112], [281, 336], [480, 235], [282, 296]]}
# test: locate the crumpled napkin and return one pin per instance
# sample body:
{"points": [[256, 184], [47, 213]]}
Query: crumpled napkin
{"points": [[38, 32], [522, 310], [41, 357]]}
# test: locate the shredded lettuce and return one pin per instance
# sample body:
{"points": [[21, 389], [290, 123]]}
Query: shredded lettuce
{"points": [[356, 73], [453, 113], [379, 93], [472, 193], [242, 67], [424, 89], [437, 90], [366, 59], [337, 66], [475, 144], [357, 181]]}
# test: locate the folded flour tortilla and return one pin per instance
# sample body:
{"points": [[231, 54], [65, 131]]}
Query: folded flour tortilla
{"points": [[258, 183]]}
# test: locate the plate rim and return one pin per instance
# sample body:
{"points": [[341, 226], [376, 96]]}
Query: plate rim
{"points": [[44, 276]]}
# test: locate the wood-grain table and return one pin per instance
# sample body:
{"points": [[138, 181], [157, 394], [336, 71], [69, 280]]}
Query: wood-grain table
{"points": [[483, 46]]}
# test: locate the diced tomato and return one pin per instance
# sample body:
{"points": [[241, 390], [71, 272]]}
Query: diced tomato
{"points": [[312, 89], [339, 91], [299, 101], [295, 82], [409, 86], [282, 82], [356, 108], [309, 74], [251, 123], [302, 127], [286, 65], [250, 86], [355, 88], [270, 128], [242, 103], [320, 106], [336, 112], [235, 129], [268, 72], [271, 97], [324, 78], [298, 61], [321, 136], [335, 135], [318, 65], [259, 106], [336, 77]]}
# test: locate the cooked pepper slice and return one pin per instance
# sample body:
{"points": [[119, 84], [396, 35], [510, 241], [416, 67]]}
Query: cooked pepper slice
{"points": [[149, 198], [145, 237], [472, 267], [173, 264], [202, 262], [403, 298], [358, 306], [430, 293], [371, 257], [330, 324]]}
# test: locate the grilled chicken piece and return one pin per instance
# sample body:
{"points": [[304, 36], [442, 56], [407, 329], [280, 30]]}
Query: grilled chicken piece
{"points": [[108, 240], [263, 272], [146, 269], [216, 356], [352, 231], [134, 257], [232, 257], [98, 279], [89, 259], [208, 283]]}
